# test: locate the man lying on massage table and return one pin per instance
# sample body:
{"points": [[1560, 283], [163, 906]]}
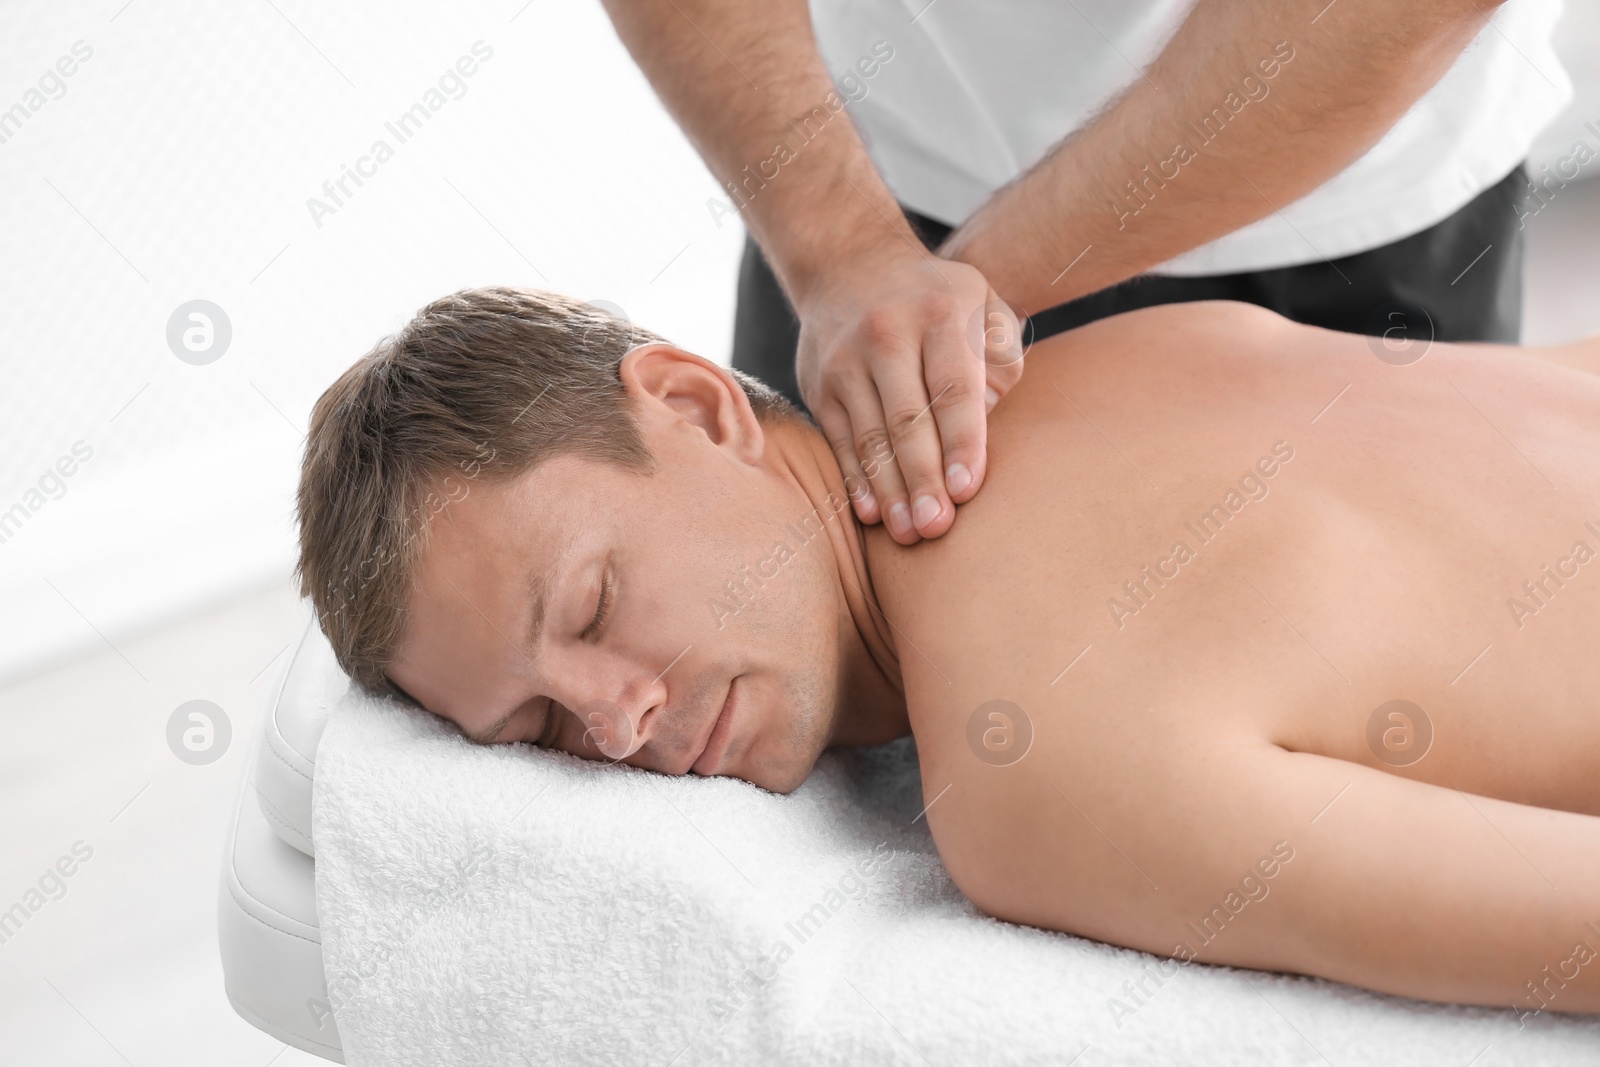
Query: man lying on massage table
{"points": [[1256, 648]]}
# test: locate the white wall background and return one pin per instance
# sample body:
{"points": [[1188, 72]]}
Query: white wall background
{"points": [[1578, 44]]}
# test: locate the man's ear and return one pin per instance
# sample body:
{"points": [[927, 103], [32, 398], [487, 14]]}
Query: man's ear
{"points": [[671, 382]]}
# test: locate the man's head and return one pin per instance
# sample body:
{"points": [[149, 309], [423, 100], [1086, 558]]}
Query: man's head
{"points": [[513, 451]]}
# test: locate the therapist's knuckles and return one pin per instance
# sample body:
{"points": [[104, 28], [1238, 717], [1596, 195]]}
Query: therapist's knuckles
{"points": [[883, 330]]}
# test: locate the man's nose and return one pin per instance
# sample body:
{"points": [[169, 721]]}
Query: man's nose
{"points": [[616, 726]]}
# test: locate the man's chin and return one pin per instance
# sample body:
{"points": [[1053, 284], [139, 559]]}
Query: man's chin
{"points": [[775, 779]]}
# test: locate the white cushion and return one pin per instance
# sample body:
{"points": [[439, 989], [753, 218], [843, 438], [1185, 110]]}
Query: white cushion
{"points": [[267, 925], [305, 691]]}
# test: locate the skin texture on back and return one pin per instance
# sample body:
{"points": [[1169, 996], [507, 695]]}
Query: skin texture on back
{"points": [[1217, 555]]}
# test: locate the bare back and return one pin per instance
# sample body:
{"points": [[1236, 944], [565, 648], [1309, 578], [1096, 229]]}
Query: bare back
{"points": [[1243, 578]]}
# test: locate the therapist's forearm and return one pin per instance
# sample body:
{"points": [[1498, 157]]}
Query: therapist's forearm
{"points": [[742, 77], [1353, 73]]}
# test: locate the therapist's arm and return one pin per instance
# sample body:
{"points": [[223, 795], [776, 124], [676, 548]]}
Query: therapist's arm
{"points": [[1337, 85], [887, 362]]}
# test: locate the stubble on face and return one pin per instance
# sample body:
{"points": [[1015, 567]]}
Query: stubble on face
{"points": [[798, 711]]}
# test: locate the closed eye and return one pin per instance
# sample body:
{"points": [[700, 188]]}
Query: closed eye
{"points": [[602, 610]]}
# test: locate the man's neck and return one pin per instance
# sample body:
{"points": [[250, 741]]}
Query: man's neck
{"points": [[870, 701]]}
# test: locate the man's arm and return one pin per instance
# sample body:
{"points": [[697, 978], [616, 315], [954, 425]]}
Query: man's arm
{"points": [[1294, 93], [885, 360], [1251, 855]]}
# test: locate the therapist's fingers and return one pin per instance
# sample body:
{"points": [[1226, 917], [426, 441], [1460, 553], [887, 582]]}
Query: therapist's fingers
{"points": [[956, 383], [835, 423], [859, 435], [908, 414]]}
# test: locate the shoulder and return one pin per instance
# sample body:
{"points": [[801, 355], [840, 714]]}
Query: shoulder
{"points": [[1177, 361], [1178, 330]]}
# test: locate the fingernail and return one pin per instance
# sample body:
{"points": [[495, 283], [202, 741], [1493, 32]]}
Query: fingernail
{"points": [[990, 397], [957, 478], [899, 517], [924, 511]]}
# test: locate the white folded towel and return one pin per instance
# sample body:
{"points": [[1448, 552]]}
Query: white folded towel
{"points": [[508, 905]]}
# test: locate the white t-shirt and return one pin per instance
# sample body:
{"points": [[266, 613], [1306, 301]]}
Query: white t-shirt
{"points": [[977, 91]]}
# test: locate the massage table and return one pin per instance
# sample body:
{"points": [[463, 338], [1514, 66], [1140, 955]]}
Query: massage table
{"points": [[506, 904]]}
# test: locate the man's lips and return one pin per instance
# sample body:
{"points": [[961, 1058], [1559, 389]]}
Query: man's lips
{"points": [[715, 745]]}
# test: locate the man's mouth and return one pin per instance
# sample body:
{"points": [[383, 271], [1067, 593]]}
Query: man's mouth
{"points": [[714, 749]]}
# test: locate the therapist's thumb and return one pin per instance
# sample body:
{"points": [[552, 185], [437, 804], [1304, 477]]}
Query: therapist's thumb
{"points": [[1002, 350]]}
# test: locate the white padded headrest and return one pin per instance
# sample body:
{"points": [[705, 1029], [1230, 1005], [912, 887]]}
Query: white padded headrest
{"points": [[305, 689]]}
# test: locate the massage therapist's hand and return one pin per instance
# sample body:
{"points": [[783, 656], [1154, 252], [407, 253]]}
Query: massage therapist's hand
{"points": [[885, 362], [902, 355]]}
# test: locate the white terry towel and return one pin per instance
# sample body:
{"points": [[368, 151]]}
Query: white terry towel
{"points": [[508, 905]]}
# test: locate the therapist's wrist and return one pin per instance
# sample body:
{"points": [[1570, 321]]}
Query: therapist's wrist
{"points": [[854, 264], [809, 268], [1017, 260], [841, 220]]}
